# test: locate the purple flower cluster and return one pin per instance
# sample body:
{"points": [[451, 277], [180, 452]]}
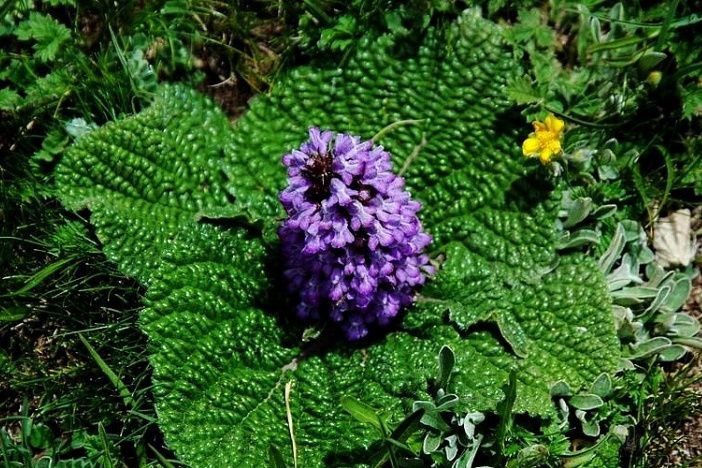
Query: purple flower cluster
{"points": [[352, 240]]}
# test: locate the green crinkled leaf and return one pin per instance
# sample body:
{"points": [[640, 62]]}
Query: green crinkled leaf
{"points": [[186, 204], [150, 176], [557, 324]]}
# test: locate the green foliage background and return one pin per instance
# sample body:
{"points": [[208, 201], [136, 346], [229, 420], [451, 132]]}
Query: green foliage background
{"points": [[191, 212]]}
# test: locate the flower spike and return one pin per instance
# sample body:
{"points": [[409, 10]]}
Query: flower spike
{"points": [[352, 242]]}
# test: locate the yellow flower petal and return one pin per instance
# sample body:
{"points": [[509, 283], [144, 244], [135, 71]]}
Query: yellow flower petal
{"points": [[554, 146], [554, 124], [531, 146], [544, 136], [539, 127], [545, 156]]}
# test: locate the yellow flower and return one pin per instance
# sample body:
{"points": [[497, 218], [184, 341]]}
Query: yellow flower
{"points": [[545, 141]]}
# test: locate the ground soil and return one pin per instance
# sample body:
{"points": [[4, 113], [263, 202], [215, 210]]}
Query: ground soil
{"points": [[688, 451], [685, 448]]}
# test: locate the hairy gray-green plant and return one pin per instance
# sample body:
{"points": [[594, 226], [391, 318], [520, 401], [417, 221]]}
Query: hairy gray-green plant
{"points": [[449, 435], [433, 431], [647, 304], [187, 205], [586, 405], [647, 297]]}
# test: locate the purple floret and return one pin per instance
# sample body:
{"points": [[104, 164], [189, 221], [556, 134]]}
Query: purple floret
{"points": [[352, 241]]}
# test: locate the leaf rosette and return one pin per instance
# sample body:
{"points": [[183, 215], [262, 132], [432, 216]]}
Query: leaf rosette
{"points": [[188, 205]]}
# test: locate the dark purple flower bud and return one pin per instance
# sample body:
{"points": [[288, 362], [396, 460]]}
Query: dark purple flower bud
{"points": [[352, 242]]}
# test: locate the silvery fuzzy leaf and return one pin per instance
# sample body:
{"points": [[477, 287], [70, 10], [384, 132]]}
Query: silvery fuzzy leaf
{"points": [[678, 294], [607, 172], [634, 295], [622, 314], [663, 323], [656, 303], [577, 239], [641, 333], [561, 388], [466, 460], [692, 342], [627, 331], [657, 275], [621, 432], [626, 364], [625, 274], [580, 157], [673, 240], [565, 410], [423, 405], [577, 210], [590, 428], [470, 421], [606, 156], [431, 443], [611, 143], [685, 325], [435, 421], [649, 347], [614, 251], [78, 127], [586, 401], [633, 232], [452, 447], [604, 211], [602, 386], [447, 402], [672, 353], [645, 255], [580, 415]]}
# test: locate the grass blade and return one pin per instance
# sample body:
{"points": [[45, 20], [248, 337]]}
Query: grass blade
{"points": [[119, 385]]}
